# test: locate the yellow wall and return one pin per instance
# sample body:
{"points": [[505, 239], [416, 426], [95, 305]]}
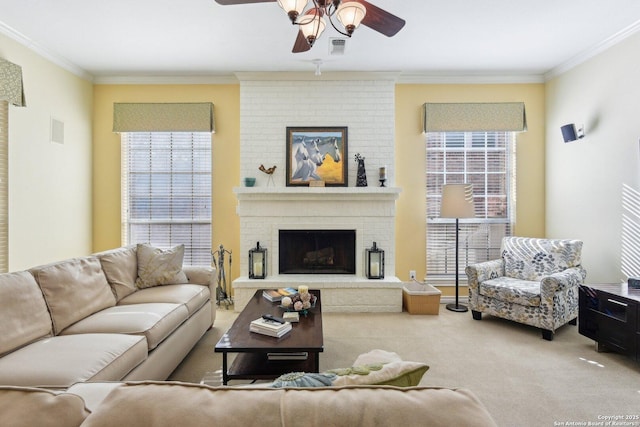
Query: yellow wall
{"points": [[410, 163], [409, 167], [225, 152]]}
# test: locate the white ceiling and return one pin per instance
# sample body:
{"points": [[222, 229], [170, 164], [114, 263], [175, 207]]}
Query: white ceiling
{"points": [[141, 38]]}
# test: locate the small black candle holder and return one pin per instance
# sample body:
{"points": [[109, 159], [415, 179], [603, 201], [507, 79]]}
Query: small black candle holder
{"points": [[382, 181]]}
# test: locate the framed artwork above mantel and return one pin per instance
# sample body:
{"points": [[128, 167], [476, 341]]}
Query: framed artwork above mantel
{"points": [[317, 154]]}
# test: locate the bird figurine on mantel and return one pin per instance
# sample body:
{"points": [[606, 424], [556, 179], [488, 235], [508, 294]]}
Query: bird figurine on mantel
{"points": [[269, 172]]}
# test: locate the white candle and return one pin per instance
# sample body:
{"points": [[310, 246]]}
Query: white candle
{"points": [[303, 289], [383, 172], [375, 268], [257, 268]]}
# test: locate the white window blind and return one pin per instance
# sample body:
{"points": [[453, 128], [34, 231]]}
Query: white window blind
{"points": [[166, 191], [4, 183], [486, 160]]}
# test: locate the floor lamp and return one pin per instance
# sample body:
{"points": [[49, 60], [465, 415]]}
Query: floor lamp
{"points": [[457, 202]]}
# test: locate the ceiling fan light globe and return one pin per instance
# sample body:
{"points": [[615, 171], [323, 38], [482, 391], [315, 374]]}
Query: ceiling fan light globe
{"points": [[312, 27], [350, 14], [293, 8]]}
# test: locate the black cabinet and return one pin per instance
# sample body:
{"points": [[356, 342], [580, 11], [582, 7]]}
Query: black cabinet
{"points": [[609, 315]]}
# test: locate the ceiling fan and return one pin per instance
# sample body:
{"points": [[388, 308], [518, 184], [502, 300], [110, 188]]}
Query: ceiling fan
{"points": [[350, 13]]}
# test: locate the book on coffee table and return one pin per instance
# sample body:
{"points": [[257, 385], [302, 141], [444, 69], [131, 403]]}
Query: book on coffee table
{"points": [[269, 327], [291, 316], [272, 295], [287, 292]]}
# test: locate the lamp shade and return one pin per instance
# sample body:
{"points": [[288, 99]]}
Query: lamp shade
{"points": [[457, 201]]}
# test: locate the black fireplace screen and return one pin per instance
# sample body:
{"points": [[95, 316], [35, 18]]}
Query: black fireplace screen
{"points": [[317, 251]]}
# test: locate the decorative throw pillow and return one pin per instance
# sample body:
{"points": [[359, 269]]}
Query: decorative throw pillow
{"points": [[400, 374], [377, 356], [159, 267], [121, 268], [380, 367], [303, 379]]}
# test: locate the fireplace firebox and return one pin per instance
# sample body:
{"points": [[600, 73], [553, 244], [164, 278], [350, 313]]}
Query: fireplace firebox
{"points": [[317, 251]]}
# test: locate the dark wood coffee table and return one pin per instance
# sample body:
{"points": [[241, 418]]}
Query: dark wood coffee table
{"points": [[252, 361]]}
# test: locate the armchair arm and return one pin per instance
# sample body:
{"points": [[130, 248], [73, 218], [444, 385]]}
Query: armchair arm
{"points": [[477, 273], [558, 282]]}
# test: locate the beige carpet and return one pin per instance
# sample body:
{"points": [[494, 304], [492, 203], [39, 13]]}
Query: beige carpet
{"points": [[522, 379]]}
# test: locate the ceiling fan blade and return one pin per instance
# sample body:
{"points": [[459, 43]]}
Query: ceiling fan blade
{"points": [[380, 20], [233, 2], [301, 44]]}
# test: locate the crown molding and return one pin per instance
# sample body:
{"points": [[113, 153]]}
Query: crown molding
{"points": [[310, 76], [166, 80], [456, 77], [593, 51], [46, 54]]}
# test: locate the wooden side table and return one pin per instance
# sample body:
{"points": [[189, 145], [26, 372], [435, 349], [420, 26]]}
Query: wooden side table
{"points": [[610, 315]]}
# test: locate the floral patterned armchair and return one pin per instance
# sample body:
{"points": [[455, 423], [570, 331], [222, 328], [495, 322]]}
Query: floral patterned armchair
{"points": [[535, 282]]}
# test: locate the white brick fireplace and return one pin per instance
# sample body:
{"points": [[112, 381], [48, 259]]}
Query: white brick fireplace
{"points": [[270, 103]]}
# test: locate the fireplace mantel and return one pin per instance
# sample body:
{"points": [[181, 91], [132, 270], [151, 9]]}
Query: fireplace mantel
{"points": [[317, 193]]}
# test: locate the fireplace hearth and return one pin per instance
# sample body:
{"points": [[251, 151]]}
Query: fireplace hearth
{"points": [[317, 251]]}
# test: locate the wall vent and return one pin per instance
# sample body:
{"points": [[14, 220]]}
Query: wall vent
{"points": [[337, 45]]}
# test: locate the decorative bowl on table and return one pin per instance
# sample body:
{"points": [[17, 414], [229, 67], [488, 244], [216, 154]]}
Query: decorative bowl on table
{"points": [[301, 303]]}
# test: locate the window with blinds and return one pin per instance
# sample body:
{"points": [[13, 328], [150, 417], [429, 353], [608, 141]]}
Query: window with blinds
{"points": [[4, 184], [166, 191], [486, 160]]}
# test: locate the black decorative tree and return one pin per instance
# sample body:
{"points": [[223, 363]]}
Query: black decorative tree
{"points": [[361, 180]]}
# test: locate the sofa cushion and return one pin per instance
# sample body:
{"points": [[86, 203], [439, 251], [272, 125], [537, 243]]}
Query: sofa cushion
{"points": [[516, 291], [154, 321], [528, 258], [383, 406], [192, 296], [93, 393], [170, 404], [121, 268], [58, 362], [176, 404], [74, 289], [159, 267], [28, 407], [23, 312]]}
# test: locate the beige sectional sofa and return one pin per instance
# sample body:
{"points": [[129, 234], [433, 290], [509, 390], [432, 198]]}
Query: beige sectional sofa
{"points": [[159, 404], [132, 313]]}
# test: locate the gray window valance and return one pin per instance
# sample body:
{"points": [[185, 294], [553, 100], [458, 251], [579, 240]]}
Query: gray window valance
{"points": [[469, 117], [163, 117], [11, 89]]}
